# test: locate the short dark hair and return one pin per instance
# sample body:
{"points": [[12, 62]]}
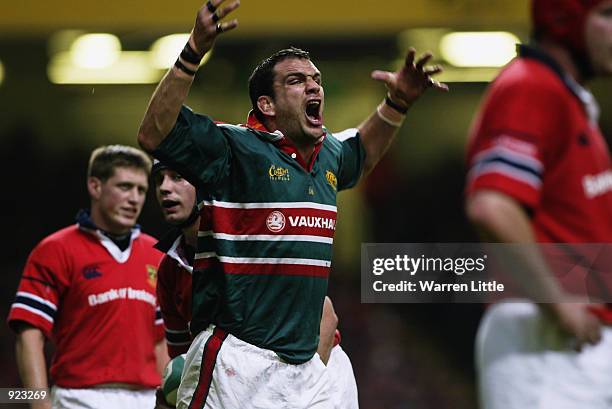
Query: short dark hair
{"points": [[262, 79], [105, 159]]}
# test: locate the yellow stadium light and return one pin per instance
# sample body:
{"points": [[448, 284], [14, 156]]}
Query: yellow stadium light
{"points": [[98, 50], [1, 73], [478, 49], [166, 50], [98, 59], [132, 67]]}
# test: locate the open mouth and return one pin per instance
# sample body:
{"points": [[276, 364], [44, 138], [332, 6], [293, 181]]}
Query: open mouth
{"points": [[313, 112], [168, 204]]}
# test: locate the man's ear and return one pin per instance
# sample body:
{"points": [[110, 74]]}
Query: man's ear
{"points": [[266, 105], [94, 187]]}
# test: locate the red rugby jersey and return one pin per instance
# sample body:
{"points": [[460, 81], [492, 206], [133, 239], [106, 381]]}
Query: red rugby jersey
{"points": [[174, 295], [97, 304], [534, 141]]}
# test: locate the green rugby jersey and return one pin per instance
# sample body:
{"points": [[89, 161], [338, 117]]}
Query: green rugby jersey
{"points": [[267, 227]]}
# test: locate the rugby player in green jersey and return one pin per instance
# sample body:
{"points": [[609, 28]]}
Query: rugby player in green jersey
{"points": [[267, 195], [176, 198]]}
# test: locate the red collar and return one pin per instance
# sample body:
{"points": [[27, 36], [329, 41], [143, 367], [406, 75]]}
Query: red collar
{"points": [[285, 144]]}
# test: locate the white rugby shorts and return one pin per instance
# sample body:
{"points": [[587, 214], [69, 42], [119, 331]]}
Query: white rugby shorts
{"points": [[101, 398], [524, 360], [343, 385], [224, 372]]}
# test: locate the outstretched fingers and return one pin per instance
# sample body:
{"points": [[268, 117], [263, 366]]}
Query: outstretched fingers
{"points": [[410, 57], [438, 85], [435, 69], [209, 23], [383, 76], [423, 60], [223, 12]]}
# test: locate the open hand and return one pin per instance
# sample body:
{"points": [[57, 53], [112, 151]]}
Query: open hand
{"points": [[410, 81], [208, 24], [576, 320]]}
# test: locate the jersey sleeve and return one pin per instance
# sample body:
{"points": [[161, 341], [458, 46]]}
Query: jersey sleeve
{"points": [[352, 158], [512, 142], [197, 148], [159, 324], [178, 337], [40, 290]]}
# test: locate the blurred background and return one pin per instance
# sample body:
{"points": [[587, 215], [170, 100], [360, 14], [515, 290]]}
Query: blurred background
{"points": [[75, 75]]}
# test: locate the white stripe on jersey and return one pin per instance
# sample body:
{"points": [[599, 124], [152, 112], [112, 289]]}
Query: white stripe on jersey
{"points": [[506, 170], [266, 237], [174, 331], [511, 155], [265, 260], [273, 205], [33, 311], [346, 134], [37, 298]]}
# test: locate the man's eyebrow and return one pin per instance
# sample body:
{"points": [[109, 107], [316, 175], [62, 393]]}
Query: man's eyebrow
{"points": [[302, 74]]}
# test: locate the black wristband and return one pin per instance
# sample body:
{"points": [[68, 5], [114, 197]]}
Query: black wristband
{"points": [[402, 110], [188, 54], [178, 64]]}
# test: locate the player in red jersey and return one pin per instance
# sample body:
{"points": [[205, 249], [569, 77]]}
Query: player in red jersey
{"points": [[540, 171], [177, 199], [90, 289]]}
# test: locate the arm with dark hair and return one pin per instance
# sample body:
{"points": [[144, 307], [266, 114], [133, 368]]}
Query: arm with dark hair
{"points": [[404, 87], [166, 102]]}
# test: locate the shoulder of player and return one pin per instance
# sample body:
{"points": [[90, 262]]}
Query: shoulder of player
{"points": [[525, 75], [167, 265], [59, 240], [148, 241], [333, 141]]}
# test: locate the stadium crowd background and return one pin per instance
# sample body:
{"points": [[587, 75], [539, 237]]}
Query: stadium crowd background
{"points": [[416, 356]]}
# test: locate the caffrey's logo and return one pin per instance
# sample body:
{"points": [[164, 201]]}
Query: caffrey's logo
{"points": [[151, 274], [278, 173], [276, 221], [331, 179]]}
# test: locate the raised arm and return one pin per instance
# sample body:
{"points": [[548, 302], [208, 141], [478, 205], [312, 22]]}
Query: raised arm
{"points": [[172, 90], [404, 87]]}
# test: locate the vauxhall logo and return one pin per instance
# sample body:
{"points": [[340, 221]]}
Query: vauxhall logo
{"points": [[276, 222]]}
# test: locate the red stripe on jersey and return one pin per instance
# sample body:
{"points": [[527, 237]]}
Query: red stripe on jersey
{"points": [[204, 263], [209, 358], [276, 269], [281, 221]]}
